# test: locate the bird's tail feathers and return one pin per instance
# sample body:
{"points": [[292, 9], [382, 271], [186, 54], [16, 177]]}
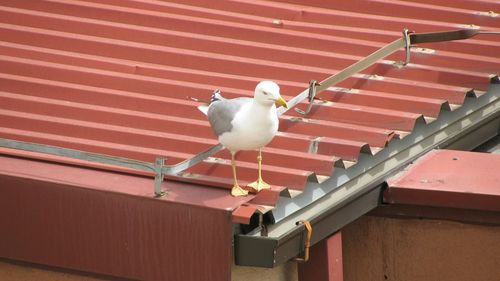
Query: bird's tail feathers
{"points": [[216, 96], [203, 108]]}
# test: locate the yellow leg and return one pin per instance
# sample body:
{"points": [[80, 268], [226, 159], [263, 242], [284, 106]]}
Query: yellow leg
{"points": [[259, 184], [236, 190]]}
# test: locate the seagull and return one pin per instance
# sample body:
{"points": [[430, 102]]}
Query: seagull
{"points": [[246, 124]]}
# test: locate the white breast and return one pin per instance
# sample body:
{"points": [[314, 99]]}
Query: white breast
{"points": [[254, 126]]}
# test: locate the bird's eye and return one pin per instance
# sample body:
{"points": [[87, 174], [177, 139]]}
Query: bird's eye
{"points": [[265, 93]]}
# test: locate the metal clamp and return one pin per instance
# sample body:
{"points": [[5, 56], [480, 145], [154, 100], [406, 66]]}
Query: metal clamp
{"points": [[310, 97], [159, 176], [307, 241], [406, 37]]}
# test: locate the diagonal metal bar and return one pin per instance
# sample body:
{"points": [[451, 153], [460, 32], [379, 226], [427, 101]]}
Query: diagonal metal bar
{"points": [[77, 154], [361, 65], [158, 167], [413, 38], [347, 72], [179, 167]]}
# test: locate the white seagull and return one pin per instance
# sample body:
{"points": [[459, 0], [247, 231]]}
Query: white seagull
{"points": [[246, 124]]}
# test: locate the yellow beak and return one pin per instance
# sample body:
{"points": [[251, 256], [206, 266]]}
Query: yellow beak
{"points": [[281, 101]]}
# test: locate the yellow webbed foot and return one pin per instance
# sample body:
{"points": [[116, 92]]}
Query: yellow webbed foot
{"points": [[238, 191], [259, 184]]}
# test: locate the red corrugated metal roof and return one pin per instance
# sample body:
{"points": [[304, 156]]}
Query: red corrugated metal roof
{"points": [[449, 178], [118, 78]]}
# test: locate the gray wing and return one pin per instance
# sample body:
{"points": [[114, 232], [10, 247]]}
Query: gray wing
{"points": [[221, 113]]}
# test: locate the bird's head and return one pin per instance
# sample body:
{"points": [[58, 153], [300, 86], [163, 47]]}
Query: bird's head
{"points": [[268, 93]]}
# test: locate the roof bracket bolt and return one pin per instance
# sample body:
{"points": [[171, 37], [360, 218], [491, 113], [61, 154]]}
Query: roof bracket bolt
{"points": [[159, 176], [399, 64], [277, 22], [469, 26], [373, 77], [487, 14], [313, 145], [424, 51], [406, 37], [345, 90]]}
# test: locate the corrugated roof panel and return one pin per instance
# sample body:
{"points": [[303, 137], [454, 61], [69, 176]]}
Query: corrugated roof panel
{"points": [[125, 77]]}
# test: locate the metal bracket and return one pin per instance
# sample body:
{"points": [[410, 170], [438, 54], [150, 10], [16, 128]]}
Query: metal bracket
{"points": [[159, 176], [310, 97], [406, 37], [307, 241]]}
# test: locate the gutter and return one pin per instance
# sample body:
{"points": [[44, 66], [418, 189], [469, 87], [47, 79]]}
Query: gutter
{"points": [[464, 128], [269, 252]]}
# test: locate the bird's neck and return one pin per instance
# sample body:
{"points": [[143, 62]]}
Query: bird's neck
{"points": [[262, 109]]}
